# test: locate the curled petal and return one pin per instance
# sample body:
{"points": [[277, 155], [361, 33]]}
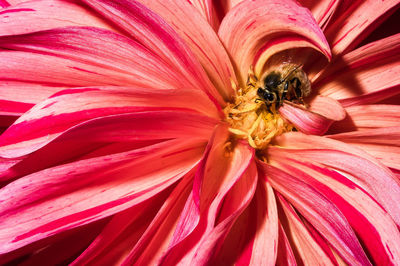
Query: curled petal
{"points": [[202, 40], [356, 22], [64, 197], [363, 169], [366, 75], [321, 10], [236, 182], [250, 24], [321, 213], [309, 121], [153, 32], [374, 227]]}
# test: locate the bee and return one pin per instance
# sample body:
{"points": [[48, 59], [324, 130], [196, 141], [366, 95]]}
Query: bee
{"points": [[288, 82]]}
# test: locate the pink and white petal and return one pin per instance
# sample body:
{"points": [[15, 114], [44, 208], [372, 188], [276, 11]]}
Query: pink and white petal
{"points": [[155, 240], [64, 197], [285, 254], [32, 16], [124, 231], [320, 212], [305, 248], [265, 242], [117, 60], [49, 119], [251, 24], [304, 120], [354, 24], [190, 216], [235, 202], [373, 225], [362, 117], [153, 32], [240, 170], [321, 10], [201, 39], [358, 166], [317, 119], [366, 75], [207, 10], [382, 143]]}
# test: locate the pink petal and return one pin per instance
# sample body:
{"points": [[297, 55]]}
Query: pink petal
{"points": [[305, 120], [126, 228], [251, 24], [372, 224], [363, 169], [320, 212], [363, 117], [206, 9], [49, 119], [33, 16], [201, 39], [222, 182], [285, 253], [74, 62], [356, 22], [317, 119], [57, 199], [155, 240], [305, 247], [154, 33], [321, 10], [366, 75], [265, 242], [382, 143], [4, 3]]}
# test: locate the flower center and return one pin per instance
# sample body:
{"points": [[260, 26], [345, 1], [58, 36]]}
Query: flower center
{"points": [[254, 114]]}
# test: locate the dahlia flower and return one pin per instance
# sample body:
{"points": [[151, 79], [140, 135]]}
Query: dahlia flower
{"points": [[199, 132]]}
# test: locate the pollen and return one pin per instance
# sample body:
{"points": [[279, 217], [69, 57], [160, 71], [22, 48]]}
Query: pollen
{"points": [[249, 118]]}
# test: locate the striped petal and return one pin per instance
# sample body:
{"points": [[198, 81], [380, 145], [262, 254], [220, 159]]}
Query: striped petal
{"points": [[360, 167], [356, 21], [60, 198], [32, 130], [317, 119], [321, 10], [153, 32], [252, 24], [361, 117], [32, 16], [366, 75], [321, 213], [374, 227], [201, 39], [381, 143]]}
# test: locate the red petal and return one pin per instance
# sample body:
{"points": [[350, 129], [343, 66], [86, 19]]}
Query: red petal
{"points": [[74, 194], [363, 169], [372, 224], [154, 33], [201, 39], [320, 212], [366, 75], [33, 16], [356, 22], [251, 24], [322, 10], [32, 130]]}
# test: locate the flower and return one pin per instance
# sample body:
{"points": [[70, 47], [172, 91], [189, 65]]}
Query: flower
{"points": [[202, 132]]}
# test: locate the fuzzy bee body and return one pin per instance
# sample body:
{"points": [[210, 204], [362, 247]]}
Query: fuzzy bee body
{"points": [[286, 83]]}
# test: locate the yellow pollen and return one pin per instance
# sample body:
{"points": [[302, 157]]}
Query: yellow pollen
{"points": [[250, 119]]}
